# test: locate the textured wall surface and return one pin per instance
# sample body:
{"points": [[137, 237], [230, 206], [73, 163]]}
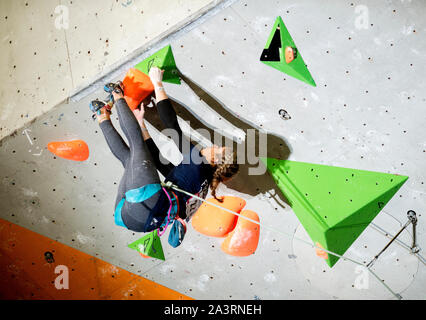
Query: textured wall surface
{"points": [[51, 48], [367, 112], [52, 270]]}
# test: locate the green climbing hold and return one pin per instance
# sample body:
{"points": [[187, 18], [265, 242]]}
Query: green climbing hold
{"points": [[333, 204], [274, 54], [164, 60], [149, 245]]}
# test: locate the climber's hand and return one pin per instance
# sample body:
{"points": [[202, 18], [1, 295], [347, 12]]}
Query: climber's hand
{"points": [[139, 113], [156, 76]]}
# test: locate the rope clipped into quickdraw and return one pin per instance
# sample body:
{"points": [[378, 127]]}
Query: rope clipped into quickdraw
{"points": [[170, 185]]}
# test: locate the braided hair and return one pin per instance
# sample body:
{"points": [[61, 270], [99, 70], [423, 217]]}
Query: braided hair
{"points": [[224, 170]]}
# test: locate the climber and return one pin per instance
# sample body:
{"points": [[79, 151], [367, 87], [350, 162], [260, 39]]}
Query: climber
{"points": [[142, 205]]}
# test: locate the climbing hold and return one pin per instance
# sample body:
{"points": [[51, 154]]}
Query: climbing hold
{"points": [[137, 86], [164, 60], [243, 240], [48, 256], [333, 204], [149, 246], [76, 150], [284, 114], [214, 222], [281, 53]]}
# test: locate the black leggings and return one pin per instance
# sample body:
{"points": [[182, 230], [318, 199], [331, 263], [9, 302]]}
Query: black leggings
{"points": [[140, 160]]}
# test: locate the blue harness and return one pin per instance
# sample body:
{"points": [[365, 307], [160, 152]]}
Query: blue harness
{"points": [[141, 194]]}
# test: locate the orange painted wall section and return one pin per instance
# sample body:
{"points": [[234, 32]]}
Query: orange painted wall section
{"points": [[26, 274]]}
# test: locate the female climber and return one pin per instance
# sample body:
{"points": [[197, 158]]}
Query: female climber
{"points": [[142, 204]]}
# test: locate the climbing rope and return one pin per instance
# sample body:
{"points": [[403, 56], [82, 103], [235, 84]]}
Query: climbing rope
{"points": [[170, 185]]}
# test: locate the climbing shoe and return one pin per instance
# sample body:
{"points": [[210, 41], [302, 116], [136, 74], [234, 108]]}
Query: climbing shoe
{"points": [[97, 105], [111, 87]]}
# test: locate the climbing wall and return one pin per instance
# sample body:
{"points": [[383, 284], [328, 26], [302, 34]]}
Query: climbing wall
{"points": [[36, 267], [367, 112], [52, 49]]}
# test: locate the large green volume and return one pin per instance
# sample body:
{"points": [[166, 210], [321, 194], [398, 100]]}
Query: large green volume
{"points": [[333, 204]]}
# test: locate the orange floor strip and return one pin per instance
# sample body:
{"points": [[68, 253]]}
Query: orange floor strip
{"points": [[27, 274]]}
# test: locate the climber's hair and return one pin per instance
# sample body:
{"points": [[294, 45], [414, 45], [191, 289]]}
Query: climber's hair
{"points": [[224, 170]]}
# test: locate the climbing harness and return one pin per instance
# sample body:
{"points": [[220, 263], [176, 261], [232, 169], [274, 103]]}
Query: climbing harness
{"points": [[178, 231], [171, 214], [170, 185], [141, 194]]}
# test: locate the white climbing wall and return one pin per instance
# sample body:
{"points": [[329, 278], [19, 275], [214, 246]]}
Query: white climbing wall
{"points": [[367, 112]]}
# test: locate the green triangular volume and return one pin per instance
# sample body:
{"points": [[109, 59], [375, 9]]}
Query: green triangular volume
{"points": [[149, 245], [333, 204], [164, 60], [273, 54]]}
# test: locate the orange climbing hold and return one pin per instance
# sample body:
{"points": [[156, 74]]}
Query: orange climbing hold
{"points": [[137, 86], [215, 222], [144, 256], [321, 253], [76, 150], [244, 239]]}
